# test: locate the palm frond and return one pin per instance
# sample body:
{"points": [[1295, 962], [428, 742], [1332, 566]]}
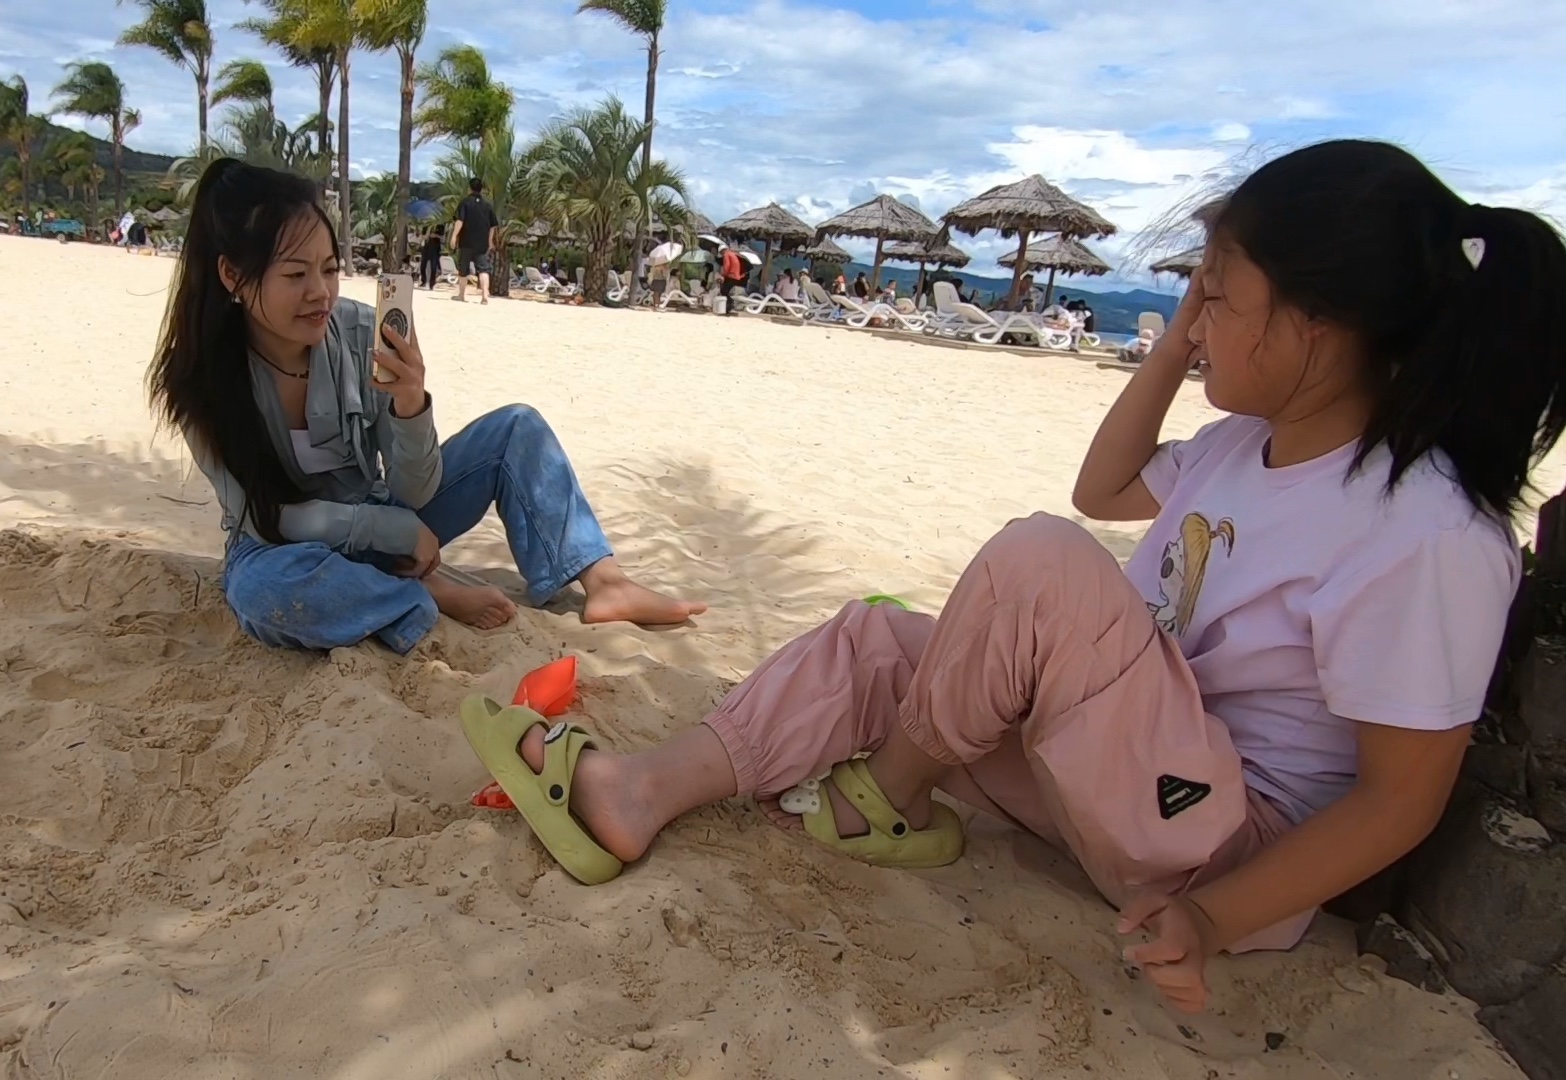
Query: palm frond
{"points": [[645, 17]]}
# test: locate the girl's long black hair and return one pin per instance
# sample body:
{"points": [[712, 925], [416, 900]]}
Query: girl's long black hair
{"points": [[199, 381], [1467, 359]]}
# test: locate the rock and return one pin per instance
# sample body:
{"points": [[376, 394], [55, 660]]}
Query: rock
{"points": [[1547, 792], [642, 1040], [1406, 958], [1531, 1030], [683, 1067], [1275, 1040], [1488, 888], [1500, 767], [1541, 683]]}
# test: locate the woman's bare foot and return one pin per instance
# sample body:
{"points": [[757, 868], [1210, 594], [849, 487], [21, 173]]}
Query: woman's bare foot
{"points": [[624, 800], [613, 597], [483, 607]]}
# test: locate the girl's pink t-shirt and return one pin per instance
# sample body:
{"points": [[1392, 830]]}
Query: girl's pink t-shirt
{"points": [[1306, 599]]}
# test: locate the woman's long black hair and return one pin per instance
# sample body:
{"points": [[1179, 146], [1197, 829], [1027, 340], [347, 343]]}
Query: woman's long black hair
{"points": [[199, 381], [1467, 359]]}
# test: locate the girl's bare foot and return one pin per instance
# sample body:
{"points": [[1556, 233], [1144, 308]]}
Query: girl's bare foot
{"points": [[613, 597], [612, 809], [483, 607]]}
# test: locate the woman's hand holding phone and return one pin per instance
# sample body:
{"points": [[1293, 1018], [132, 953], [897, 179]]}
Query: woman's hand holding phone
{"points": [[405, 364]]}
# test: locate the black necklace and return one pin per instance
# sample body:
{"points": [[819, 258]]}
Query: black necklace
{"points": [[305, 374]]}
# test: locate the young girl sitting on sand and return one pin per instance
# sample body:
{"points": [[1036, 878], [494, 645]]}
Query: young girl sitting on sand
{"points": [[1271, 702], [336, 496]]}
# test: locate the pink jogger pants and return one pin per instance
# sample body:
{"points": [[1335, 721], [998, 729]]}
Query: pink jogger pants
{"points": [[1054, 698]]}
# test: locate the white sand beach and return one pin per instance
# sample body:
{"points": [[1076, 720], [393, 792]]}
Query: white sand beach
{"points": [[220, 860]]}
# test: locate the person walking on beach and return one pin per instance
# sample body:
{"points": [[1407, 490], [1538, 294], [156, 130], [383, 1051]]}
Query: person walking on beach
{"points": [[1271, 702], [473, 239], [429, 259], [733, 277], [335, 492]]}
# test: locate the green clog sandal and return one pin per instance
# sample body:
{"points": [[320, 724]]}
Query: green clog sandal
{"points": [[891, 841], [543, 798]]}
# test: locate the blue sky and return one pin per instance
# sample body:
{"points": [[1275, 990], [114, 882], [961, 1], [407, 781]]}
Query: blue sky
{"points": [[1132, 105]]}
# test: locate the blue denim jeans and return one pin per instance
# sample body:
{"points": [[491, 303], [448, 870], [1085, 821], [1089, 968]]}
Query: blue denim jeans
{"points": [[308, 596]]}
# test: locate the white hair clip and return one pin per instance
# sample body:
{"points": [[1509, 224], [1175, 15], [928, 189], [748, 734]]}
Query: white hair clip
{"points": [[1473, 251]]}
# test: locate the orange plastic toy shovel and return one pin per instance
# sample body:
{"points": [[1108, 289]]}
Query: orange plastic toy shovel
{"points": [[551, 689], [548, 691]]}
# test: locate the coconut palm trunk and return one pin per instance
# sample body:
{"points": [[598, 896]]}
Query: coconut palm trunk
{"points": [[325, 76], [202, 75], [595, 269], [119, 170], [344, 203], [404, 160], [640, 242]]}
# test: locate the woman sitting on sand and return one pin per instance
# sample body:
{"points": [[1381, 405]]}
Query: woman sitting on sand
{"points": [[1271, 702], [267, 372]]}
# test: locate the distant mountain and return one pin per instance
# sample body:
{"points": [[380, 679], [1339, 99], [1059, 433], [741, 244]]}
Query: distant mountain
{"points": [[135, 160]]}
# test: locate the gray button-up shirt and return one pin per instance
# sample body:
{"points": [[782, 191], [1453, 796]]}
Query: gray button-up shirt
{"points": [[348, 508]]}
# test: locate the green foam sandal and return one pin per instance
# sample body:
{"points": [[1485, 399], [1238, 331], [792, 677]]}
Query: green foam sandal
{"points": [[543, 798], [891, 841]]}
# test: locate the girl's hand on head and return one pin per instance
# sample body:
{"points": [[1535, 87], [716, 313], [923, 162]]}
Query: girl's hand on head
{"points": [[1176, 958], [405, 363]]}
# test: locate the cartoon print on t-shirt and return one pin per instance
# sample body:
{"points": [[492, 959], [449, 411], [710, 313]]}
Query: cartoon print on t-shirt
{"points": [[1184, 568]]}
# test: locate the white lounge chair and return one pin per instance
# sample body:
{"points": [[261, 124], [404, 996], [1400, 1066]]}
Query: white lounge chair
{"points": [[859, 315], [819, 305], [759, 306], [540, 282], [448, 270], [990, 329], [1150, 320], [952, 317], [618, 291]]}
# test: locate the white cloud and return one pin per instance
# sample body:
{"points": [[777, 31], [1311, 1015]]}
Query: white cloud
{"points": [[1125, 104]]}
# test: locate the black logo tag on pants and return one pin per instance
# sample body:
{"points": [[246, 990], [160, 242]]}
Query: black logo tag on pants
{"points": [[1175, 795]]}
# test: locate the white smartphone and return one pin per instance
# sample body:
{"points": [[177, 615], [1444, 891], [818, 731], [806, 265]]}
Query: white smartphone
{"points": [[394, 309]]}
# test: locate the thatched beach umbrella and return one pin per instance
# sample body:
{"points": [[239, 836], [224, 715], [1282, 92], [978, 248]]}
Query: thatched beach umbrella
{"points": [[1181, 265], [927, 253], [883, 218], [826, 251], [772, 225], [1057, 254], [1022, 209]]}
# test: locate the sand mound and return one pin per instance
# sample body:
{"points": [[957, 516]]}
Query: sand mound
{"points": [[222, 860]]}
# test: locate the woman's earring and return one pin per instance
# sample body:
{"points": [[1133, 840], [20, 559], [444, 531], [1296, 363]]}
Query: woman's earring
{"points": [[235, 297]]}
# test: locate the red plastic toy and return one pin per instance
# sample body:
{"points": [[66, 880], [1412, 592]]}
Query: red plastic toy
{"points": [[548, 691]]}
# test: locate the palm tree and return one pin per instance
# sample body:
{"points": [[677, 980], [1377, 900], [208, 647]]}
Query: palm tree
{"points": [[20, 128], [462, 100], [180, 32], [68, 156], [244, 81], [280, 32], [585, 175], [644, 17], [334, 26], [92, 90], [496, 161], [399, 25], [253, 134], [378, 211]]}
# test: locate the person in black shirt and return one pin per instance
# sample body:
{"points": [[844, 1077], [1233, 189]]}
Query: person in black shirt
{"points": [[861, 286], [429, 259], [473, 239]]}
